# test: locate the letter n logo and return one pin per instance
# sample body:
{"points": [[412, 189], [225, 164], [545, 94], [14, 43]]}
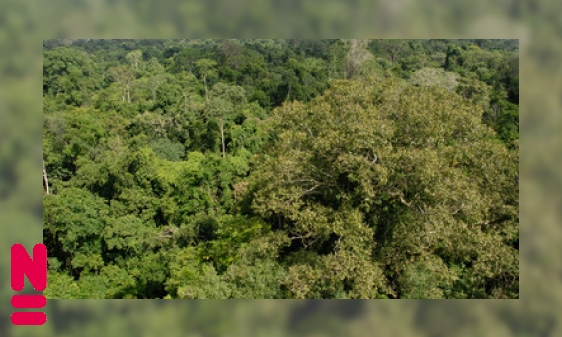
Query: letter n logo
{"points": [[36, 271]]}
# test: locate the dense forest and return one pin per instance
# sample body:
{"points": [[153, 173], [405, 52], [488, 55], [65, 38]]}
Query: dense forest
{"points": [[281, 168]]}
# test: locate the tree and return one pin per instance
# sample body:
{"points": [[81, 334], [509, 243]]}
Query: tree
{"points": [[356, 56], [70, 75], [363, 191], [224, 100], [135, 57], [232, 53], [206, 68], [74, 224], [435, 76], [124, 76], [335, 64]]}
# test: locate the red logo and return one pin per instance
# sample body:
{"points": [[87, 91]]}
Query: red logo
{"points": [[36, 271]]}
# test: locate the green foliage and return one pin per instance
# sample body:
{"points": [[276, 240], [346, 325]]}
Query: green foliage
{"points": [[165, 149], [70, 75], [435, 77], [74, 223], [354, 170], [281, 169]]}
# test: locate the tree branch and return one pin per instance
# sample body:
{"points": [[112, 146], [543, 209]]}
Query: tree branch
{"points": [[374, 157], [45, 179], [311, 189], [401, 198]]}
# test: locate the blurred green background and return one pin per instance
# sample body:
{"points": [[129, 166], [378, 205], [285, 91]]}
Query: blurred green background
{"points": [[538, 25]]}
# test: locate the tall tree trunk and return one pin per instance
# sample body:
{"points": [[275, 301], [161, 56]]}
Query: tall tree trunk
{"points": [[45, 179]]}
